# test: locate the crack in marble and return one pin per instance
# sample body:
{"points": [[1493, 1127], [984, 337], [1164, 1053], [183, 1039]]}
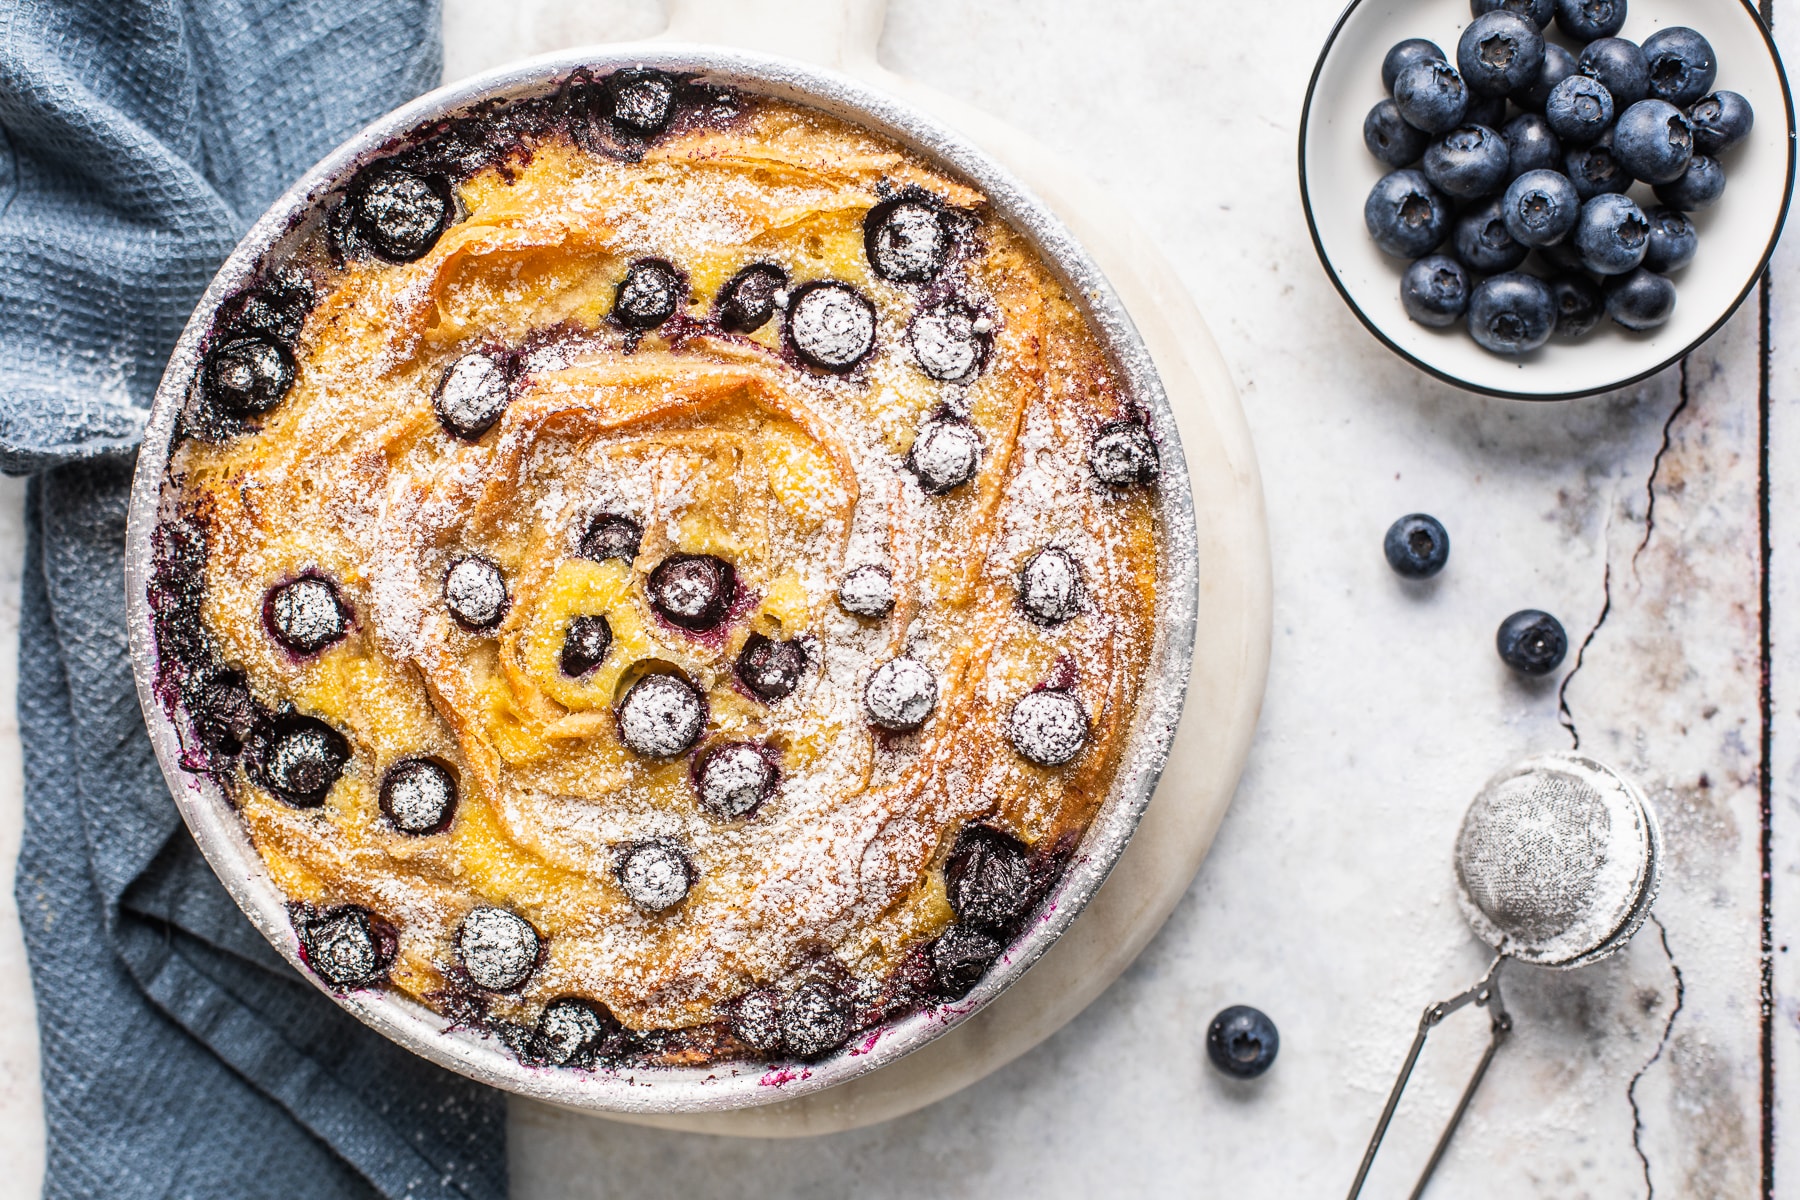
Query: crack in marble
{"points": [[1637, 1117], [1668, 429], [1564, 717]]}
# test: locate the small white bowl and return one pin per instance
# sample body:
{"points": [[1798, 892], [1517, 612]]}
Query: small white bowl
{"points": [[1737, 234]]}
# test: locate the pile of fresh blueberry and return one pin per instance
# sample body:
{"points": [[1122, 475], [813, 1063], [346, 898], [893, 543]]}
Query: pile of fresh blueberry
{"points": [[1526, 145]]}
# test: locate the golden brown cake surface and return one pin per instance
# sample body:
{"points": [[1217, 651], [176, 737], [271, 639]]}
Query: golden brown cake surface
{"points": [[717, 445]]}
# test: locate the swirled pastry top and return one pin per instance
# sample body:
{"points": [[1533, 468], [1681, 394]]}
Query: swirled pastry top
{"points": [[661, 590]]}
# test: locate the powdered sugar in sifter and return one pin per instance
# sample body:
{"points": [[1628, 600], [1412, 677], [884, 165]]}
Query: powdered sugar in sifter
{"points": [[1557, 865]]}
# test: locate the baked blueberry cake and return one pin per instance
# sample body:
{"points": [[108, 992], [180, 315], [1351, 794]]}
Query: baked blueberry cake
{"points": [[662, 574]]}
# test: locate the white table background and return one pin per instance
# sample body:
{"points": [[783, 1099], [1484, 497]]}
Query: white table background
{"points": [[1327, 900]]}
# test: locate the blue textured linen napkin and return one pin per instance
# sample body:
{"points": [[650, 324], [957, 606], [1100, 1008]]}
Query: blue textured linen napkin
{"points": [[182, 1056]]}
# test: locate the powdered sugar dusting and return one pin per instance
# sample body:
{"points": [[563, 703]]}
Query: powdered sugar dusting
{"points": [[715, 444]]}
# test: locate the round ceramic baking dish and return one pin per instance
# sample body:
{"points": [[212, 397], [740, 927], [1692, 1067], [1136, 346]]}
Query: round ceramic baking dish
{"points": [[220, 834]]}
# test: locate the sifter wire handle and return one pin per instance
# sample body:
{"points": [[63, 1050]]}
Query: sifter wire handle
{"points": [[1485, 994]]}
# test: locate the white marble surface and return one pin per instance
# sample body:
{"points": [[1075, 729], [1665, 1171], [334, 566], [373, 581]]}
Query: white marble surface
{"points": [[1327, 899]]}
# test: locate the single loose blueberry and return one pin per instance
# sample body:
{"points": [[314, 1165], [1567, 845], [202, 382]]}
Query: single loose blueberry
{"points": [[247, 376], [1511, 313], [1405, 54], [1485, 110], [475, 593], [770, 668], [346, 947], [693, 591], [1541, 207], [1721, 121], [1595, 169], [472, 395], [1431, 95], [948, 341], [1654, 141], [945, 455], [399, 214], [1123, 453], [297, 758], [1499, 53], [1579, 109], [1417, 546], [1538, 12], [1406, 215], [1435, 291], [987, 879], [1559, 64], [1673, 240], [639, 101], [959, 957], [1700, 186], [1531, 145], [611, 535], [585, 644], [900, 694], [1532, 642], [1050, 586], [733, 780], [747, 300], [1048, 727], [418, 796], [306, 615], [1579, 305], [1483, 243], [1682, 65], [1467, 162], [1619, 65], [831, 326], [656, 874], [907, 240], [648, 295], [1242, 1042], [571, 1031], [498, 949], [1641, 300], [867, 592], [1588, 20], [1390, 139], [755, 1020], [1612, 234], [662, 716], [815, 1020]]}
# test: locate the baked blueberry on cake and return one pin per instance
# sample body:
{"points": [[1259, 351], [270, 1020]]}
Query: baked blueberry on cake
{"points": [[663, 575]]}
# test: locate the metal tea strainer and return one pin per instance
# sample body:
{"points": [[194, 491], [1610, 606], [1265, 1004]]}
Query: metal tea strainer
{"points": [[1557, 865]]}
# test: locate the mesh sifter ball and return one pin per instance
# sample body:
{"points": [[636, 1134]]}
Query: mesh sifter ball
{"points": [[1557, 865], [1558, 861]]}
